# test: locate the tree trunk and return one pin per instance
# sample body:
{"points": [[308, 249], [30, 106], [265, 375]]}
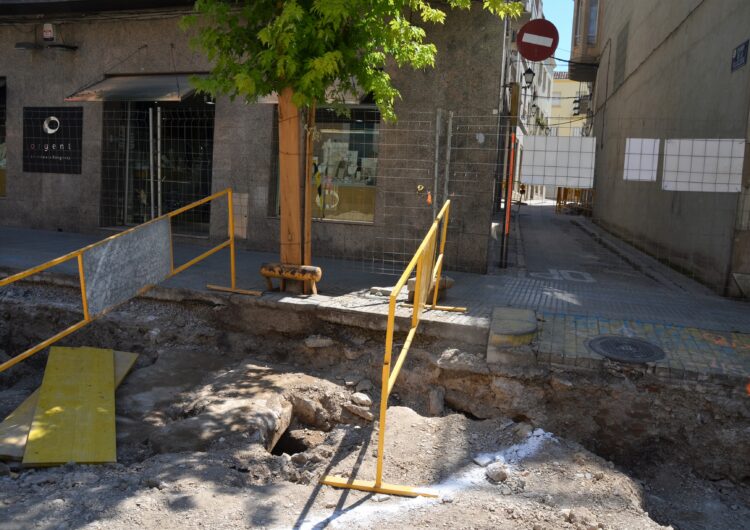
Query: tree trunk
{"points": [[290, 197]]}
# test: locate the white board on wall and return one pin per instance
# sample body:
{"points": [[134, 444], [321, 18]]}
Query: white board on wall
{"points": [[705, 165], [641, 159], [560, 161]]}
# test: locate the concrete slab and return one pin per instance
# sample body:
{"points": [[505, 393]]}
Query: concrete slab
{"points": [[511, 334], [512, 327]]}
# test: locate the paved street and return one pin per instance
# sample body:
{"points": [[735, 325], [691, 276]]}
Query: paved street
{"points": [[581, 281]]}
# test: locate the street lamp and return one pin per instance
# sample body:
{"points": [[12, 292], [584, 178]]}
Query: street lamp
{"points": [[528, 77]]}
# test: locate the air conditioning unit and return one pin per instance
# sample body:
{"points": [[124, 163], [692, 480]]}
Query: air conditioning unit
{"points": [[583, 107]]}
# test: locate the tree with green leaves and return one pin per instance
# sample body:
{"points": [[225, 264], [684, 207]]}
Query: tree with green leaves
{"points": [[315, 51]]}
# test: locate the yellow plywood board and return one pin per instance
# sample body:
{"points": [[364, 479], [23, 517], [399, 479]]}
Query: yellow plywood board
{"points": [[14, 430], [74, 420]]}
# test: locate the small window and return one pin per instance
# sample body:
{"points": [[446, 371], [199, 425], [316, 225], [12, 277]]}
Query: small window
{"points": [[3, 152], [593, 21], [556, 99], [621, 53]]}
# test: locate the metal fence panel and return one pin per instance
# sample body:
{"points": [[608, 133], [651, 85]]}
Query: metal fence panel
{"points": [[120, 268]]}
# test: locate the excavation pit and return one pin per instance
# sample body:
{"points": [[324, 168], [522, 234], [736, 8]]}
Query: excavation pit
{"points": [[190, 416]]}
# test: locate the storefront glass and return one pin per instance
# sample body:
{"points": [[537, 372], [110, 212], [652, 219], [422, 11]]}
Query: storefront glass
{"points": [[155, 159], [345, 160]]}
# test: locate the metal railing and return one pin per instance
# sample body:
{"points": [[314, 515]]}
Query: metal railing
{"points": [[428, 266], [80, 255]]}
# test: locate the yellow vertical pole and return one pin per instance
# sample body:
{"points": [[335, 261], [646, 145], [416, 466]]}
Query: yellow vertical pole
{"points": [[232, 269], [386, 375], [443, 236], [171, 249], [84, 298], [417, 306]]}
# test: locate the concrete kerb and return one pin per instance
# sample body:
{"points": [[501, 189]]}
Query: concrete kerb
{"points": [[324, 308], [510, 339]]}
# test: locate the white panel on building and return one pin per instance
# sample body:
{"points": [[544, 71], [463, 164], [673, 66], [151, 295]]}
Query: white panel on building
{"points": [[641, 159], [707, 165], [566, 162]]}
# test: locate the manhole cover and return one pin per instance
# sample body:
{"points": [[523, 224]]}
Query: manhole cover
{"points": [[626, 349]]}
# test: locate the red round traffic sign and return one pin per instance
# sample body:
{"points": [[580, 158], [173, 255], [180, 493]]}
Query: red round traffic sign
{"points": [[537, 40]]}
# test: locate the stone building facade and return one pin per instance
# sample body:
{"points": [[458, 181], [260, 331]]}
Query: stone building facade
{"points": [[671, 71], [156, 145]]}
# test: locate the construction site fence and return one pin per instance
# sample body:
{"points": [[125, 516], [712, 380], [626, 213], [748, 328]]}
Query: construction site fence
{"points": [[125, 265], [427, 266]]}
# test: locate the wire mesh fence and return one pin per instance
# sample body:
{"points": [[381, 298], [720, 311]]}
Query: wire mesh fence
{"points": [[673, 188], [155, 159]]}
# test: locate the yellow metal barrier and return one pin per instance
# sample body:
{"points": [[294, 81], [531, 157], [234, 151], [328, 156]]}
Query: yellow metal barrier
{"points": [[78, 255], [428, 272]]}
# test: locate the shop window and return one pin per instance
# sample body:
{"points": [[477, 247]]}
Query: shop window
{"points": [[345, 160], [3, 152]]}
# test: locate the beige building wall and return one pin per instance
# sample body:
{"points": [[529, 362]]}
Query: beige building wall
{"points": [[562, 121], [665, 72]]}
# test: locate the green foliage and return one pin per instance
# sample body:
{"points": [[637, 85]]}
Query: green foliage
{"points": [[322, 49]]}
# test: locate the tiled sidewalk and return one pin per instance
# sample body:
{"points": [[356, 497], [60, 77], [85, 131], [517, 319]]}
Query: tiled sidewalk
{"points": [[691, 353], [702, 333]]}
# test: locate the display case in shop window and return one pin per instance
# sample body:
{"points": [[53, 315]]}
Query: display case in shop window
{"points": [[345, 161]]}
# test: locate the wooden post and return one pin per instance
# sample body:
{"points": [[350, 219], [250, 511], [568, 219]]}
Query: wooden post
{"points": [[289, 180], [307, 240]]}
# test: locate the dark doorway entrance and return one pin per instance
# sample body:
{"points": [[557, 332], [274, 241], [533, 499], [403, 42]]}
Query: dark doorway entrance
{"points": [[157, 157]]}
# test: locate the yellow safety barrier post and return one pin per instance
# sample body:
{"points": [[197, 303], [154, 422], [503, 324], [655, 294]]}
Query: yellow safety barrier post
{"points": [[79, 255], [428, 271]]}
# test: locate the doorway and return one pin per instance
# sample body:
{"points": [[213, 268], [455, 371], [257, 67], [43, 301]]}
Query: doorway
{"points": [[157, 157]]}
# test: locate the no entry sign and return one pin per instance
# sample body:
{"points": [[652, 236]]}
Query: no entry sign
{"points": [[537, 40]]}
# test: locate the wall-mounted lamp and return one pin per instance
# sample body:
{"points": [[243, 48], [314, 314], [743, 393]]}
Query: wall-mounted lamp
{"points": [[528, 77]]}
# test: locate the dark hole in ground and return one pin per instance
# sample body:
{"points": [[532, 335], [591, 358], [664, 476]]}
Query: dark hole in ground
{"points": [[289, 443]]}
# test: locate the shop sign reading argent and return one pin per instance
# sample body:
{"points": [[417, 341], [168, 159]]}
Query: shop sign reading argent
{"points": [[52, 139]]}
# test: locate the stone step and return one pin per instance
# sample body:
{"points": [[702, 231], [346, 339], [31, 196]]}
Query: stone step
{"points": [[511, 334]]}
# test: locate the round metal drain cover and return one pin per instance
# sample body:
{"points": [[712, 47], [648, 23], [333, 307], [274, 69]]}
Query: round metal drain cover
{"points": [[626, 349]]}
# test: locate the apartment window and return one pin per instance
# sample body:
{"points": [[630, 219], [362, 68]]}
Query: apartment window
{"points": [[593, 21], [556, 99], [3, 152], [621, 53], [576, 18]]}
